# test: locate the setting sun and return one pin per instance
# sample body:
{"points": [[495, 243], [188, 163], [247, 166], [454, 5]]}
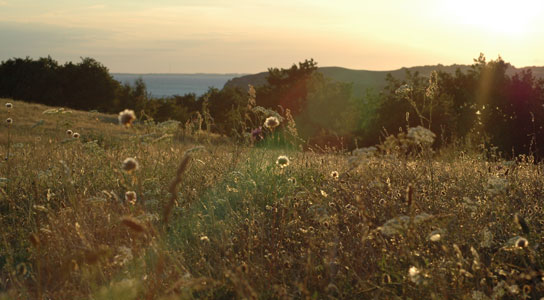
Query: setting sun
{"points": [[512, 18]]}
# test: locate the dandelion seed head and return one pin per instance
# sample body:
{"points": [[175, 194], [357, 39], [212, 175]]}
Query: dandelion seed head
{"points": [[75, 135], [69, 132], [9, 120], [9, 105], [271, 122], [130, 164], [282, 161], [126, 117]]}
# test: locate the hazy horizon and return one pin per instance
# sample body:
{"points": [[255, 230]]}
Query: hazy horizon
{"points": [[213, 37]]}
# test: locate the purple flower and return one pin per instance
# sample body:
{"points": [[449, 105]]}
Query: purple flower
{"points": [[257, 134]]}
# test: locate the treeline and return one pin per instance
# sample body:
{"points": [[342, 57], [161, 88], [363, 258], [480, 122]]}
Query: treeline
{"points": [[482, 106]]}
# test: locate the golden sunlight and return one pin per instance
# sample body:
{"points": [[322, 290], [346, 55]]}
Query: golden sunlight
{"points": [[513, 18]]}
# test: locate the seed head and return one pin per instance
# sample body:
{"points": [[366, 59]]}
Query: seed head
{"points": [[9, 105], [130, 164], [414, 274], [334, 174], [9, 121], [271, 122], [69, 132], [386, 279], [130, 197], [522, 242], [75, 135], [435, 237], [126, 117], [282, 161]]}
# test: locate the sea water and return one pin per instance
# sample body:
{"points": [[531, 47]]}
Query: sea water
{"points": [[165, 85]]}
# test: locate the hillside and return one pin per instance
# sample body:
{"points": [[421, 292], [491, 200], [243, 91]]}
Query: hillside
{"points": [[365, 79], [138, 213]]}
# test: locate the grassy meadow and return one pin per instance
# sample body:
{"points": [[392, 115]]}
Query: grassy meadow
{"points": [[218, 220]]}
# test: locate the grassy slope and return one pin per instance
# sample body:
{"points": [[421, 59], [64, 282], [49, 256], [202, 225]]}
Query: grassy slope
{"points": [[244, 228]]}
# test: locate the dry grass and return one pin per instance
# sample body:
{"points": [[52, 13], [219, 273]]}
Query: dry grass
{"points": [[241, 227]]}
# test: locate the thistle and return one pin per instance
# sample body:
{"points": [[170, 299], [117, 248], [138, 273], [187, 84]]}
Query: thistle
{"points": [[130, 164], [282, 161], [130, 197], [271, 123], [126, 117]]}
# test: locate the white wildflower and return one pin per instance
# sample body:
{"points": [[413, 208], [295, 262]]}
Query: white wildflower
{"points": [[404, 90], [421, 135], [365, 152]]}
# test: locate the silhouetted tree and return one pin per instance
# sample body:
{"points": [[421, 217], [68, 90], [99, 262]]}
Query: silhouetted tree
{"points": [[287, 87]]}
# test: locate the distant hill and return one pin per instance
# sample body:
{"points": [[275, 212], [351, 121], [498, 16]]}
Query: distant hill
{"points": [[364, 79]]}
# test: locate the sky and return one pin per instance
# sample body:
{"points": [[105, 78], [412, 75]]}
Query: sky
{"points": [[249, 36]]}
